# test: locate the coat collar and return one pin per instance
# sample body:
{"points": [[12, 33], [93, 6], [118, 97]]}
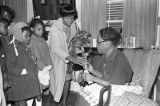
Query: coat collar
{"points": [[111, 56], [60, 24]]}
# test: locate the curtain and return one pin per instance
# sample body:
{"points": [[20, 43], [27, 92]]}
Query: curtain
{"points": [[93, 16], [158, 23], [50, 10], [2, 2], [20, 7], [140, 21], [64, 1]]}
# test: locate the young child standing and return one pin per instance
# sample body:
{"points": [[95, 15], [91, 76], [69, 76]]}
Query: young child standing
{"points": [[40, 50], [3, 69], [3, 47], [22, 71], [38, 45], [3, 41]]}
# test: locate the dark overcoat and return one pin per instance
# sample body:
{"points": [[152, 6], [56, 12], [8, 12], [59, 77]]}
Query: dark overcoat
{"points": [[22, 86]]}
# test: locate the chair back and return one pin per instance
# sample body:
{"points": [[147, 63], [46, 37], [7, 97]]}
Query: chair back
{"points": [[145, 64], [103, 90]]}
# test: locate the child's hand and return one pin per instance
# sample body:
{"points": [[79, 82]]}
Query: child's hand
{"points": [[90, 68], [49, 67]]}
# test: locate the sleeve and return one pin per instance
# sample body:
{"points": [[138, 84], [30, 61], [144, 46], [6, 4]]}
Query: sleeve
{"points": [[12, 63], [55, 45], [96, 63], [123, 73]]}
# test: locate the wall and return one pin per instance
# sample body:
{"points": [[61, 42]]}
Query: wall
{"points": [[78, 7], [20, 7], [29, 10]]}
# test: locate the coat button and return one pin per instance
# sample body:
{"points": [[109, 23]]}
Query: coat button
{"points": [[2, 55]]}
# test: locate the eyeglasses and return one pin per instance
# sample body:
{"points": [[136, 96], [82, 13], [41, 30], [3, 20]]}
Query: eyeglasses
{"points": [[101, 42]]}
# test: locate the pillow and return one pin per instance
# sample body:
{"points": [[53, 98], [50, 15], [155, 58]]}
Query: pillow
{"points": [[131, 99]]}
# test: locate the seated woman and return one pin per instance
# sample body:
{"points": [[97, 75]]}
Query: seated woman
{"points": [[111, 66]]}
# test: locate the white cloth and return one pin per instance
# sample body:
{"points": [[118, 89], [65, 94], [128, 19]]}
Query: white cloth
{"points": [[91, 93], [75, 87], [44, 76]]}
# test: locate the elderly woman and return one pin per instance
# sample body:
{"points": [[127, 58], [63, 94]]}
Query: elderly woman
{"points": [[111, 65], [22, 72]]}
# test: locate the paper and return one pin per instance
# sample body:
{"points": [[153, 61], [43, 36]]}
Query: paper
{"points": [[44, 76]]}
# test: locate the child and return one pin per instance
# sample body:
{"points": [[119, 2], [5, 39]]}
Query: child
{"points": [[38, 45], [22, 71], [39, 48], [7, 13], [3, 47], [2, 97], [3, 31], [3, 69]]}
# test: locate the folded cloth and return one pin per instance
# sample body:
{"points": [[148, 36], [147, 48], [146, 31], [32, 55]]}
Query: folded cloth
{"points": [[44, 76], [91, 93]]}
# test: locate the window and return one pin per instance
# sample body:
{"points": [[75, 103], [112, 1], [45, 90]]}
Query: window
{"points": [[114, 14]]}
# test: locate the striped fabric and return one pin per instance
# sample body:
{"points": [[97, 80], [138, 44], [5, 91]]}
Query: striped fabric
{"points": [[89, 97]]}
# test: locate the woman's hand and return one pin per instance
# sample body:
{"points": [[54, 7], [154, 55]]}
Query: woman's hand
{"points": [[105, 83], [77, 60], [88, 77], [82, 61], [90, 68], [96, 73]]}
